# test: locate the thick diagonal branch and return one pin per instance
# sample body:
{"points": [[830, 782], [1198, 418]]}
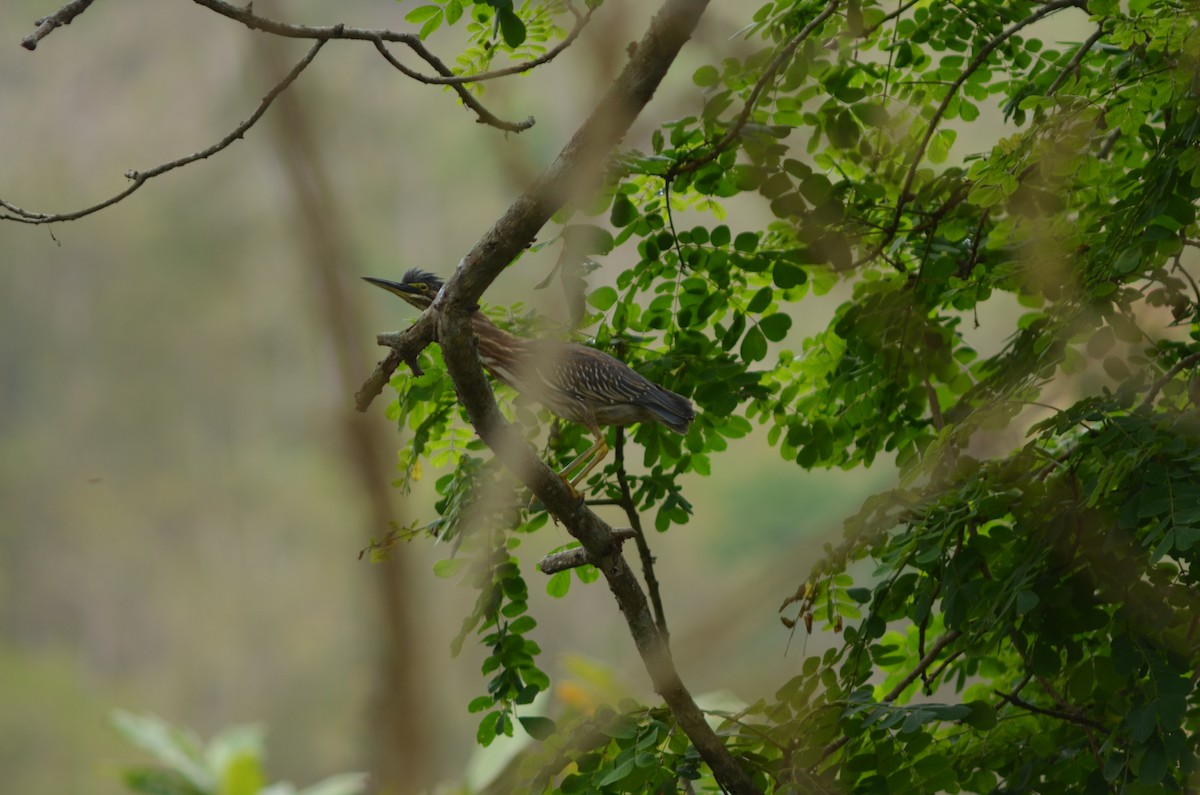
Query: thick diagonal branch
{"points": [[457, 338], [577, 168]]}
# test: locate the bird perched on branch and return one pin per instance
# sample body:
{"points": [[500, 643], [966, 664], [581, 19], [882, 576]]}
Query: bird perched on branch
{"points": [[578, 383]]}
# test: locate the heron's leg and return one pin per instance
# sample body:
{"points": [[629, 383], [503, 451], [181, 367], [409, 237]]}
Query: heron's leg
{"points": [[592, 457]]}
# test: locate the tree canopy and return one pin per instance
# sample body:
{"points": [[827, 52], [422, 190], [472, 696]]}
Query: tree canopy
{"points": [[1027, 617]]}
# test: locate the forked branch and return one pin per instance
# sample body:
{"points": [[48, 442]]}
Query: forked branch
{"points": [[319, 34]]}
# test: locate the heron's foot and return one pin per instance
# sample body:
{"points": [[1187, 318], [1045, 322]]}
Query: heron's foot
{"points": [[576, 494]]}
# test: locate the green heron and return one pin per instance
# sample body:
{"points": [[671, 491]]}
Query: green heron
{"points": [[578, 383]]}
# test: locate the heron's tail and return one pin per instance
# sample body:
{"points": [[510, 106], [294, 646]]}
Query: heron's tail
{"points": [[674, 411]]}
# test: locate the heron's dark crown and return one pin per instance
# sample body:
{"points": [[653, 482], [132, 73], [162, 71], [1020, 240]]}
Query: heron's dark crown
{"points": [[432, 280]]}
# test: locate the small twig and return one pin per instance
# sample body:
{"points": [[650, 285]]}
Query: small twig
{"points": [[909, 678], [63, 16], [1108, 144], [1016, 701], [1176, 369], [933, 677], [900, 9], [578, 556], [141, 177], [931, 129], [635, 521], [468, 99], [1076, 59], [976, 240], [405, 346], [1183, 271], [923, 665], [935, 405], [760, 86]]}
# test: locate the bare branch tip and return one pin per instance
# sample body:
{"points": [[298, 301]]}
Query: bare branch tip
{"points": [[45, 25]]}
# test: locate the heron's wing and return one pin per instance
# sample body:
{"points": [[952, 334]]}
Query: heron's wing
{"points": [[593, 376]]}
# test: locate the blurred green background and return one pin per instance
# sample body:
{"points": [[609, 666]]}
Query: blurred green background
{"points": [[185, 488]]}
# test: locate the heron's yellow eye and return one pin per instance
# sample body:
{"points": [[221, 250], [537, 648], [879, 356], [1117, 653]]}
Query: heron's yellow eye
{"points": [[422, 286]]}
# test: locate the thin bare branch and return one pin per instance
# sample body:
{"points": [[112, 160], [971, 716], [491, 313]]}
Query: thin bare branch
{"points": [[893, 694], [768, 76], [378, 37], [635, 521], [140, 178], [900, 9], [247, 17], [1017, 701], [1073, 65], [931, 129], [45, 25], [405, 346], [1176, 369], [468, 99]]}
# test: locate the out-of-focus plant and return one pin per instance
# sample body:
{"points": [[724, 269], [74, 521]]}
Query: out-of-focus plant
{"points": [[231, 763]]}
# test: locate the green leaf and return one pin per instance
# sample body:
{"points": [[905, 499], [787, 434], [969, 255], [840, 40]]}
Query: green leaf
{"points": [[512, 29], [761, 300], [558, 584], [623, 212], [178, 749], [706, 76], [602, 297], [754, 345], [621, 727], [422, 14], [587, 239], [618, 773], [480, 703], [860, 595], [242, 775], [486, 732], [448, 568], [538, 728], [775, 327], [787, 274], [983, 715], [522, 625], [939, 145], [340, 784], [746, 242]]}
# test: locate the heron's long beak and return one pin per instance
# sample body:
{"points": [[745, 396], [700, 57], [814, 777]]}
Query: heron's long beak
{"points": [[392, 287]]}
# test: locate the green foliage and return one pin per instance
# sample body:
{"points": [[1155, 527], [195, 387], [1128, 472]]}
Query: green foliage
{"points": [[1021, 614], [522, 32], [228, 764]]}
